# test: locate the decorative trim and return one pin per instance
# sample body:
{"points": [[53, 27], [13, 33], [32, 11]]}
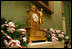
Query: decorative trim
{"points": [[45, 7]]}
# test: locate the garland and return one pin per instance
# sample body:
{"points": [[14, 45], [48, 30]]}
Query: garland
{"points": [[10, 32], [10, 39]]}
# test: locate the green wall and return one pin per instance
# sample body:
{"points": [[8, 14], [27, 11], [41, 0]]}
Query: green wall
{"points": [[16, 10], [54, 20], [67, 13]]}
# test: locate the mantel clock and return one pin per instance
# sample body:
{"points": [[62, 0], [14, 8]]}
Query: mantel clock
{"points": [[34, 20]]}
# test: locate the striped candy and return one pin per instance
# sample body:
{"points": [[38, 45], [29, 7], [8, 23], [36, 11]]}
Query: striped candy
{"points": [[11, 39]]}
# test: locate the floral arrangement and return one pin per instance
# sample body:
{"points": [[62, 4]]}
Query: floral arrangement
{"points": [[58, 35], [13, 37]]}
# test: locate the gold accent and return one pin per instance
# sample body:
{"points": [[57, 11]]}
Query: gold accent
{"points": [[41, 16], [34, 27], [33, 8]]}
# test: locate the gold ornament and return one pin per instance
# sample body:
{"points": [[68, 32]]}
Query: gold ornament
{"points": [[33, 8], [41, 16]]}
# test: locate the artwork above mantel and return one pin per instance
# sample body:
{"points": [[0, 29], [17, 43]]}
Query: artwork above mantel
{"points": [[48, 8]]}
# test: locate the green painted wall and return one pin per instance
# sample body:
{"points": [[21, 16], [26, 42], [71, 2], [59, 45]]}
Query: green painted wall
{"points": [[16, 10], [67, 13], [54, 20]]}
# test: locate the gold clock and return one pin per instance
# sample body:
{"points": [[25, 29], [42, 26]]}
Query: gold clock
{"points": [[35, 17], [33, 25]]}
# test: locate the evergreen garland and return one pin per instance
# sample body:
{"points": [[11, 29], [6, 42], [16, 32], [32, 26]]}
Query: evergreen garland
{"points": [[15, 35]]}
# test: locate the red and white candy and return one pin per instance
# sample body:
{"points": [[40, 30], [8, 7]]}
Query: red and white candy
{"points": [[15, 42], [23, 31]]}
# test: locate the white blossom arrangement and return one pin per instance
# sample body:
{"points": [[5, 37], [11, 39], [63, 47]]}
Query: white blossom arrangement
{"points": [[57, 35]]}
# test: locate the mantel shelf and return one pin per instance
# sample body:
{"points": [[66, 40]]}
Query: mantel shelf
{"points": [[44, 6]]}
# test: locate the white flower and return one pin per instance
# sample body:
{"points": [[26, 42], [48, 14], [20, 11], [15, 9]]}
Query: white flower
{"points": [[59, 35], [53, 35], [62, 36], [11, 24], [54, 39], [69, 46], [57, 39], [5, 21], [2, 31], [24, 39], [58, 31], [63, 32], [11, 29], [66, 37], [52, 30], [45, 29]]}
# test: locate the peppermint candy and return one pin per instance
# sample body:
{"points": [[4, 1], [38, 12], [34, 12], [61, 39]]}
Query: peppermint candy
{"points": [[15, 42], [11, 44], [23, 30]]}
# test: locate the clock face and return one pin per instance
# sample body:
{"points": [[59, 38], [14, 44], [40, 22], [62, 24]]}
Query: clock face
{"points": [[35, 17]]}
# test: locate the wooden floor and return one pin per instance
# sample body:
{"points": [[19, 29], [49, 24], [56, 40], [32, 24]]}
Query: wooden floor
{"points": [[46, 45]]}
